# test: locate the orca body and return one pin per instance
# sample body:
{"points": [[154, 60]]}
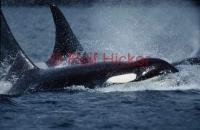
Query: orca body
{"points": [[30, 77], [89, 75]]}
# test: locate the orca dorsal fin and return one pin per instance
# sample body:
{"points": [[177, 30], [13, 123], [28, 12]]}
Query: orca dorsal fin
{"points": [[66, 41], [13, 60]]}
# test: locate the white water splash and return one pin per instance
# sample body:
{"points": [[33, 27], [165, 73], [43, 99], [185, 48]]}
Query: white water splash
{"points": [[149, 85], [196, 41], [186, 79], [5, 87]]}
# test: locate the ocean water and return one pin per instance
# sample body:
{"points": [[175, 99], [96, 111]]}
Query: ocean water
{"points": [[166, 31]]}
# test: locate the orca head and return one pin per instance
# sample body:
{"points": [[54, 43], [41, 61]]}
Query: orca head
{"points": [[151, 67], [140, 70]]}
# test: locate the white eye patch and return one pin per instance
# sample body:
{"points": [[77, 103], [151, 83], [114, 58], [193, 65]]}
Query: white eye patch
{"points": [[125, 78]]}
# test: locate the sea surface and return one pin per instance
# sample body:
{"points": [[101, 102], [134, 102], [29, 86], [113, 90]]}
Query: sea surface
{"points": [[167, 31]]}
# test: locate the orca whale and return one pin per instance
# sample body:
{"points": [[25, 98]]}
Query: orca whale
{"points": [[25, 75]]}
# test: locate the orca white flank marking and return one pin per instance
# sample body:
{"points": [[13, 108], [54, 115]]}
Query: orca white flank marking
{"points": [[125, 78]]}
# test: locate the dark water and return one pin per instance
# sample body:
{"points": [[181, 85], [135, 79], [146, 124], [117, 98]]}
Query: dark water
{"points": [[94, 110], [165, 31]]}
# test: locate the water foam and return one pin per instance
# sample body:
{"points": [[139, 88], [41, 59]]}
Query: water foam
{"points": [[186, 79], [5, 87]]}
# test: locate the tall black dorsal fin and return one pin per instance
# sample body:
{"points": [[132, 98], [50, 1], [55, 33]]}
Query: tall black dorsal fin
{"points": [[13, 60], [66, 41]]}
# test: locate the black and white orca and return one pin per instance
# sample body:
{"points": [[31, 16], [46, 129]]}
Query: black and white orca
{"points": [[25, 75]]}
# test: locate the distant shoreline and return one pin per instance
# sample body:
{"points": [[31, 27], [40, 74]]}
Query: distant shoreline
{"points": [[90, 2]]}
